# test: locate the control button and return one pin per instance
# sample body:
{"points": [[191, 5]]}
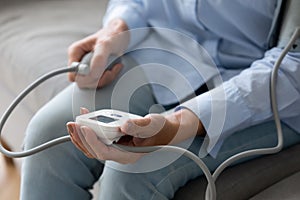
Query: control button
{"points": [[115, 115]]}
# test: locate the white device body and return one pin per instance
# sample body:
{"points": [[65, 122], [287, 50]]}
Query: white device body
{"points": [[106, 123]]}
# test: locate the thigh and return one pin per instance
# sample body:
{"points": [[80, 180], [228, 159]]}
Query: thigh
{"points": [[63, 166], [62, 171]]}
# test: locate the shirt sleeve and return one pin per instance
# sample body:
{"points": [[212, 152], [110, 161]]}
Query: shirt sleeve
{"points": [[244, 100], [133, 12]]}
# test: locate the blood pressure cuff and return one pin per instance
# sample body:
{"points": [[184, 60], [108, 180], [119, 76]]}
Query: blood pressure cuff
{"points": [[289, 20]]}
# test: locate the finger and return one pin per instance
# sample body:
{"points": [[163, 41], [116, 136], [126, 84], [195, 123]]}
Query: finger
{"points": [[75, 143], [140, 141], [110, 75], [92, 142], [117, 69], [79, 147], [85, 143], [99, 60], [145, 127], [105, 152], [83, 110], [97, 69], [78, 49], [76, 139], [72, 131], [86, 81], [134, 126], [105, 79]]}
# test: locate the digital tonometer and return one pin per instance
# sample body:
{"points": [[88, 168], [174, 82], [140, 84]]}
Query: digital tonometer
{"points": [[106, 123]]}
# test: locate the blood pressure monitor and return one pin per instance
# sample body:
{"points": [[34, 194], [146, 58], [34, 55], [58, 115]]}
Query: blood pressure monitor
{"points": [[106, 123]]}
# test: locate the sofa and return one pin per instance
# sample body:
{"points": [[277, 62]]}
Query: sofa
{"points": [[34, 37]]}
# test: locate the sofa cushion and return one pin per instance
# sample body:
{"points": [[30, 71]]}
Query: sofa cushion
{"points": [[287, 189], [34, 39], [248, 179]]}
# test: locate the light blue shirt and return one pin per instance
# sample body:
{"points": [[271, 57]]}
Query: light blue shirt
{"points": [[235, 34]]}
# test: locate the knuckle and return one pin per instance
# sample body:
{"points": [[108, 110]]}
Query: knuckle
{"points": [[104, 42], [72, 48], [100, 156], [99, 57], [81, 85]]}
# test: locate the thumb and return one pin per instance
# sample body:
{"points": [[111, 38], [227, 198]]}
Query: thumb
{"points": [[99, 60], [144, 127], [78, 49]]}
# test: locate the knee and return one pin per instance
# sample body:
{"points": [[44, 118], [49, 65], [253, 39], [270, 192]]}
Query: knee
{"points": [[45, 126]]}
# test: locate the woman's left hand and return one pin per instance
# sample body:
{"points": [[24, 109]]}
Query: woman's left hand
{"points": [[151, 130]]}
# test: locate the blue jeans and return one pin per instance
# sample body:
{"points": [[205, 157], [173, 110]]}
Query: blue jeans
{"points": [[63, 172]]}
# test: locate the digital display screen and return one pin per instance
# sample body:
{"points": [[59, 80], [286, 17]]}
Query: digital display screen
{"points": [[104, 119]]}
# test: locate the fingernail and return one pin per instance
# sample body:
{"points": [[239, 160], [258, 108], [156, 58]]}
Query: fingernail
{"points": [[70, 128], [83, 110]]}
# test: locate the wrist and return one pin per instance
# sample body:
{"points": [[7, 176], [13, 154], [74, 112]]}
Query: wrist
{"points": [[190, 122], [116, 26], [114, 37]]}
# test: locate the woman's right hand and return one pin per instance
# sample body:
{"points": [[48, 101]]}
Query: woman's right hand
{"points": [[110, 40]]}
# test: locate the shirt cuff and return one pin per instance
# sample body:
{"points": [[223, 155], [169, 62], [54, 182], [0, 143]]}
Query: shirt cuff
{"points": [[132, 18]]}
